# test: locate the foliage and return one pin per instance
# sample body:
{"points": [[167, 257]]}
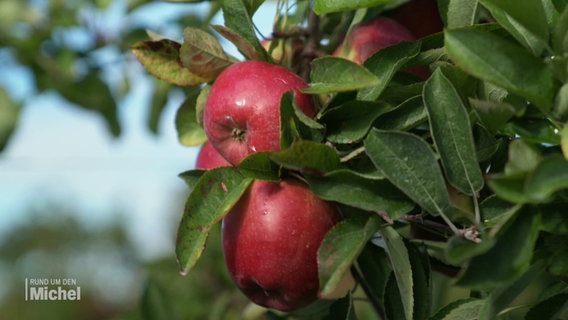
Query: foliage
{"points": [[464, 173]]}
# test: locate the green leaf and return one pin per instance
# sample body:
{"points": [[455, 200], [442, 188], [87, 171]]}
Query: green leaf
{"points": [[189, 132], [259, 166], [452, 133], [158, 104], [464, 309], [549, 308], [459, 249], [332, 74], [295, 124], [212, 197], [307, 156], [550, 175], [406, 115], [347, 187], [503, 63], [509, 258], [341, 247], [525, 20], [328, 6], [244, 46], [161, 58], [523, 157], [202, 54], [350, 122], [535, 130], [501, 298], [560, 108], [9, 115], [409, 163], [191, 177], [385, 63], [492, 114], [400, 262], [509, 187], [375, 268], [554, 218], [462, 13], [238, 17]]}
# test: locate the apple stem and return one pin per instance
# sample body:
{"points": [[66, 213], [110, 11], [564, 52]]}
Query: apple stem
{"points": [[238, 134], [368, 292]]}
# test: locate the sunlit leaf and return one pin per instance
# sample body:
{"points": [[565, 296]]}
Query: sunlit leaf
{"points": [[189, 132], [331, 74], [162, 59], [504, 63], [202, 54], [212, 197], [327, 6]]}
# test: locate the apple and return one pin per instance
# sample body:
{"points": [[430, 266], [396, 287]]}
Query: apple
{"points": [[209, 158], [242, 110], [270, 242], [371, 36], [420, 17]]}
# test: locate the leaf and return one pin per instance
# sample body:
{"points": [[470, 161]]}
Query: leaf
{"points": [[492, 114], [524, 157], [158, 104], [347, 187], [202, 54], [328, 6], [307, 156], [409, 163], [295, 124], [509, 187], [350, 122], [385, 63], [400, 262], [406, 115], [259, 166], [560, 108], [509, 258], [332, 74], [247, 49], [191, 177], [189, 132], [459, 249], [503, 63], [452, 134], [212, 197], [9, 115], [464, 309], [161, 58], [549, 308], [550, 175], [238, 18], [525, 20], [501, 298], [375, 268], [462, 13], [341, 247]]}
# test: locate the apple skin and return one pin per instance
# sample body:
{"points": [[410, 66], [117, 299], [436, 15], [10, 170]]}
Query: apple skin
{"points": [[420, 17], [371, 36], [209, 158], [242, 110], [270, 242]]}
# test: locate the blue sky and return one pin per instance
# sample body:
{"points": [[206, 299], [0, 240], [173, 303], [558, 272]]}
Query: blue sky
{"points": [[61, 154]]}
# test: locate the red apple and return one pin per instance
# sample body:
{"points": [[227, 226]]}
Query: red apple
{"points": [[371, 36], [242, 110], [420, 17], [270, 242], [209, 158]]}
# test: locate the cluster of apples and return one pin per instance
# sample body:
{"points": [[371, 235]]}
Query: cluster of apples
{"points": [[272, 234]]}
